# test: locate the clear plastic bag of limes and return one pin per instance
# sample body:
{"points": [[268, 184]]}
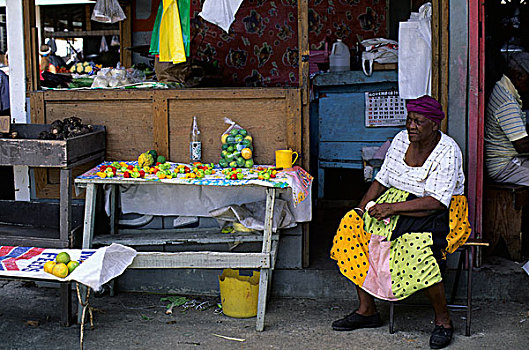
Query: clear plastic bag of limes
{"points": [[237, 147]]}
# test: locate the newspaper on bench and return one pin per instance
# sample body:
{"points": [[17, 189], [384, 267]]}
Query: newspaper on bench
{"points": [[97, 266]]}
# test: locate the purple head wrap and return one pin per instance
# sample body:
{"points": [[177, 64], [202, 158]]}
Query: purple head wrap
{"points": [[426, 106]]}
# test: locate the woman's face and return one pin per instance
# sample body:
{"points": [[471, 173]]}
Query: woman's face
{"points": [[420, 128]]}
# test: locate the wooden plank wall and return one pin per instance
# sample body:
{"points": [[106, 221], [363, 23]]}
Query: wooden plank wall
{"points": [[137, 121], [440, 54]]}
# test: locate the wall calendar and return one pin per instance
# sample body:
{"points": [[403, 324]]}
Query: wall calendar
{"points": [[385, 108]]}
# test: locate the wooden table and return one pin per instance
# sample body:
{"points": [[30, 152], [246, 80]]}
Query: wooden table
{"points": [[264, 260]]}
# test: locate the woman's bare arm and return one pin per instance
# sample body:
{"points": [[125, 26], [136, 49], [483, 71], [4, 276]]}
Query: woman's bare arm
{"points": [[374, 191], [418, 207]]}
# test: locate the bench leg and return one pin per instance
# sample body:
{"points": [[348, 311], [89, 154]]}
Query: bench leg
{"points": [[458, 274], [391, 317], [469, 290], [66, 304]]}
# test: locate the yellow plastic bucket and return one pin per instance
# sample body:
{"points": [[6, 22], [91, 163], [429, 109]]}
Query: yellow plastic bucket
{"points": [[239, 294]]}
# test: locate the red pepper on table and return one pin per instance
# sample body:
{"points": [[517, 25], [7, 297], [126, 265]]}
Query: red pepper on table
{"points": [[126, 174], [130, 167], [234, 176], [142, 173], [103, 168]]}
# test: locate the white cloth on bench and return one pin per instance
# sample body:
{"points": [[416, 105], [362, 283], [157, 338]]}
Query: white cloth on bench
{"points": [[97, 266]]}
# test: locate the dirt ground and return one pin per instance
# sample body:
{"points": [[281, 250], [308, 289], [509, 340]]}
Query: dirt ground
{"points": [[30, 320]]}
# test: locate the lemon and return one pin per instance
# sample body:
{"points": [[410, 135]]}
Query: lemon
{"points": [[72, 265], [60, 270], [62, 257], [48, 266]]}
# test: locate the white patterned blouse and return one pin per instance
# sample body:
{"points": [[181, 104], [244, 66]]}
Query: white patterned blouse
{"points": [[441, 176]]}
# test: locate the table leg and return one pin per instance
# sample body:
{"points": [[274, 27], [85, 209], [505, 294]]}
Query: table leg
{"points": [[89, 215], [65, 225], [88, 233], [65, 216], [114, 214], [266, 273], [66, 304]]}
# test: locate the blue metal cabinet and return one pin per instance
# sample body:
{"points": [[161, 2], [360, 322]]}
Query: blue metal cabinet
{"points": [[338, 119]]}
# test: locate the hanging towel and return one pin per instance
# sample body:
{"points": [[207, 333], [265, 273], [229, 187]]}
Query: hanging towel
{"points": [[171, 41], [220, 12], [185, 20], [155, 38]]}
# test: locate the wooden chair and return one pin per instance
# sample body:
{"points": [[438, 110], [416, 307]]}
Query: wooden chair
{"points": [[465, 254]]}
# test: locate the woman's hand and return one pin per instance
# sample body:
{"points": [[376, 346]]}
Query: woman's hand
{"points": [[381, 211]]}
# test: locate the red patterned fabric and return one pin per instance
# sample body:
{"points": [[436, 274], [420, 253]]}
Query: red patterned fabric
{"points": [[261, 48]]}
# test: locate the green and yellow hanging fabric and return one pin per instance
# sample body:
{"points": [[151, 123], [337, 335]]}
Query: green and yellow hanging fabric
{"points": [[155, 38], [185, 21], [171, 40]]}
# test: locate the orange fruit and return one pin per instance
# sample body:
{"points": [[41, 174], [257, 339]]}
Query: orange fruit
{"points": [[60, 270], [62, 257], [48, 266], [72, 265]]}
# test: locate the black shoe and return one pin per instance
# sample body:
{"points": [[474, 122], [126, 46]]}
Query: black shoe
{"points": [[441, 337], [355, 321]]}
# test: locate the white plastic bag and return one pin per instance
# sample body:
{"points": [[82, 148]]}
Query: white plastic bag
{"points": [[378, 50], [114, 41], [108, 11], [415, 54], [103, 47], [100, 82]]}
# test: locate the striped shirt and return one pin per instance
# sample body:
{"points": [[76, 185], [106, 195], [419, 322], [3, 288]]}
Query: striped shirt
{"points": [[441, 176], [504, 123]]}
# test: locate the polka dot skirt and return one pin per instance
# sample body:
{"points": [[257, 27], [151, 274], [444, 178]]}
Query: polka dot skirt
{"points": [[411, 265]]}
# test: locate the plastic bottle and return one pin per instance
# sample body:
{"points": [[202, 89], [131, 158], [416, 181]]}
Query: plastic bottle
{"points": [[339, 60], [195, 146]]}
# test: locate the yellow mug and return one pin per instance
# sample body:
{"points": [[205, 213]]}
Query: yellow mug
{"points": [[284, 158]]}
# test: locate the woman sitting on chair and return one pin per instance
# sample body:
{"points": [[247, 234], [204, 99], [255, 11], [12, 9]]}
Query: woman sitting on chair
{"points": [[414, 213]]}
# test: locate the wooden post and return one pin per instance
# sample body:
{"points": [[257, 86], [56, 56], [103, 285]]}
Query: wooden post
{"points": [[125, 37], [31, 46], [161, 125], [304, 52], [87, 16], [17, 85], [435, 49], [444, 22]]}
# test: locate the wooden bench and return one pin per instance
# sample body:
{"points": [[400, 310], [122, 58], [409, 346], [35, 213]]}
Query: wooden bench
{"points": [[505, 210]]}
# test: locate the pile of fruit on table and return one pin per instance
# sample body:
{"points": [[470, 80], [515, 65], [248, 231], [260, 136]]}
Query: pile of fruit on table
{"points": [[62, 266], [169, 170], [152, 166]]}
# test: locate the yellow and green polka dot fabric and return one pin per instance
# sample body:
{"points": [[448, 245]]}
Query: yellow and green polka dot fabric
{"points": [[393, 270]]}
